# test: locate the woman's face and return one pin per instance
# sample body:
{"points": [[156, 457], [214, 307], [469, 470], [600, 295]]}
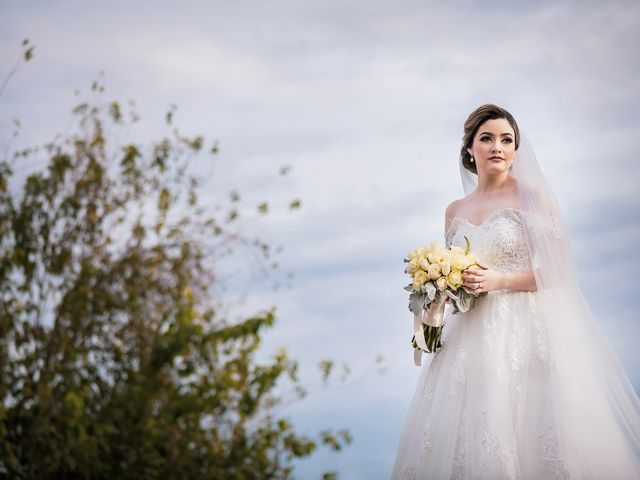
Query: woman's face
{"points": [[493, 146]]}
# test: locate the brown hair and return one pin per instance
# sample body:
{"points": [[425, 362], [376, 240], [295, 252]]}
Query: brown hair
{"points": [[485, 112]]}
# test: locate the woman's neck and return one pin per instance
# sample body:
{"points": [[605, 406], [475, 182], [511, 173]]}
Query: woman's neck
{"points": [[490, 185]]}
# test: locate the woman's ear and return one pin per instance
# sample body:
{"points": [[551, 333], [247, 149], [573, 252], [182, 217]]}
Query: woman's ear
{"points": [[470, 151]]}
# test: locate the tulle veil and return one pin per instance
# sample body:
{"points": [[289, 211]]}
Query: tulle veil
{"points": [[584, 393], [586, 363]]}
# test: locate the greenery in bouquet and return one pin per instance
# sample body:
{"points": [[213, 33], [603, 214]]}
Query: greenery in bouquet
{"points": [[436, 275]]}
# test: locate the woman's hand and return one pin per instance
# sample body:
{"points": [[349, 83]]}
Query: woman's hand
{"points": [[482, 278]]}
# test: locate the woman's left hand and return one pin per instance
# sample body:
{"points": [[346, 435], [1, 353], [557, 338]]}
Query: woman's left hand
{"points": [[482, 278]]}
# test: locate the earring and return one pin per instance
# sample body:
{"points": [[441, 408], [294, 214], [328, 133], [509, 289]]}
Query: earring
{"points": [[471, 159]]}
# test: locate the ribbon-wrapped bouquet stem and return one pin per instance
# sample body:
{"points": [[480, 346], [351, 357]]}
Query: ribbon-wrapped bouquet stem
{"points": [[436, 274]]}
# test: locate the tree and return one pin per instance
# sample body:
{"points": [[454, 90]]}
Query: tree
{"points": [[115, 358]]}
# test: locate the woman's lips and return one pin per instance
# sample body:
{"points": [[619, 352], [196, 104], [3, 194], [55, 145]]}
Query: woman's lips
{"points": [[496, 159]]}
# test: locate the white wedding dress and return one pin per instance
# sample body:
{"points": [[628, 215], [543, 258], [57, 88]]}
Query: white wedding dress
{"points": [[500, 400]]}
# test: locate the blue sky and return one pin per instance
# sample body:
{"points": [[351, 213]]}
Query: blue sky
{"points": [[366, 101]]}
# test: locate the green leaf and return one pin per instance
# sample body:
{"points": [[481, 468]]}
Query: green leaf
{"points": [[417, 302], [430, 290]]}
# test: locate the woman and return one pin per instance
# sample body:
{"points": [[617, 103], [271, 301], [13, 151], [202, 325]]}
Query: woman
{"points": [[526, 385]]}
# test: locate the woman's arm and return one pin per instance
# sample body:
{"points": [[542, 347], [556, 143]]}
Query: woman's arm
{"points": [[519, 281]]}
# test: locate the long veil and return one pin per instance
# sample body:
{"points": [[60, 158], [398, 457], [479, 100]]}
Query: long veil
{"points": [[585, 365]]}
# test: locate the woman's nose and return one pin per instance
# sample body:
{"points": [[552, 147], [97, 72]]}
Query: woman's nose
{"points": [[496, 146]]}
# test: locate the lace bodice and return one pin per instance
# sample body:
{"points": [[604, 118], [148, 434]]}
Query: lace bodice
{"points": [[511, 394], [499, 241]]}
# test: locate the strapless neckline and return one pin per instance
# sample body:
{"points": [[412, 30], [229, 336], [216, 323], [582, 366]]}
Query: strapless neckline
{"points": [[486, 219]]}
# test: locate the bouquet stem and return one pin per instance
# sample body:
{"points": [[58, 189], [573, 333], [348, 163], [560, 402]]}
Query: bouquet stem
{"points": [[428, 326], [432, 337]]}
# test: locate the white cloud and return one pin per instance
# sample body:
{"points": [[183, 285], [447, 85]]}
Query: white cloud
{"points": [[366, 101]]}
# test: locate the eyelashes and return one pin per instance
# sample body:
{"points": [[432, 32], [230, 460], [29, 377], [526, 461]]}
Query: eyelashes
{"points": [[508, 140]]}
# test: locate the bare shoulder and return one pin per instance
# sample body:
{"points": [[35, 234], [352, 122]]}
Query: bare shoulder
{"points": [[451, 211]]}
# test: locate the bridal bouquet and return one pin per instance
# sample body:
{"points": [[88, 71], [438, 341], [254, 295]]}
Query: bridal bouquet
{"points": [[436, 274]]}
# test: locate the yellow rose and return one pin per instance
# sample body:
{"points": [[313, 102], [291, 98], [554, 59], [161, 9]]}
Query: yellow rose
{"points": [[434, 271], [468, 261], [417, 253], [454, 279], [435, 256], [441, 283], [458, 262], [412, 266], [445, 266], [419, 279], [435, 252], [424, 264], [465, 261], [433, 247], [455, 250]]}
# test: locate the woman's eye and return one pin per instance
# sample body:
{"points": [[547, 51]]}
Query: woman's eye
{"points": [[508, 140], [482, 139]]}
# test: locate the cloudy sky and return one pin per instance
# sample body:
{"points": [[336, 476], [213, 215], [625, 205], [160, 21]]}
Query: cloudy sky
{"points": [[366, 101]]}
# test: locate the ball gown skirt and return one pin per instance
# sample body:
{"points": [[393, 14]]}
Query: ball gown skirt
{"points": [[501, 400]]}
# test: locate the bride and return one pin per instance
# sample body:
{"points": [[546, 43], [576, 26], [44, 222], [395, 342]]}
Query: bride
{"points": [[526, 385]]}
